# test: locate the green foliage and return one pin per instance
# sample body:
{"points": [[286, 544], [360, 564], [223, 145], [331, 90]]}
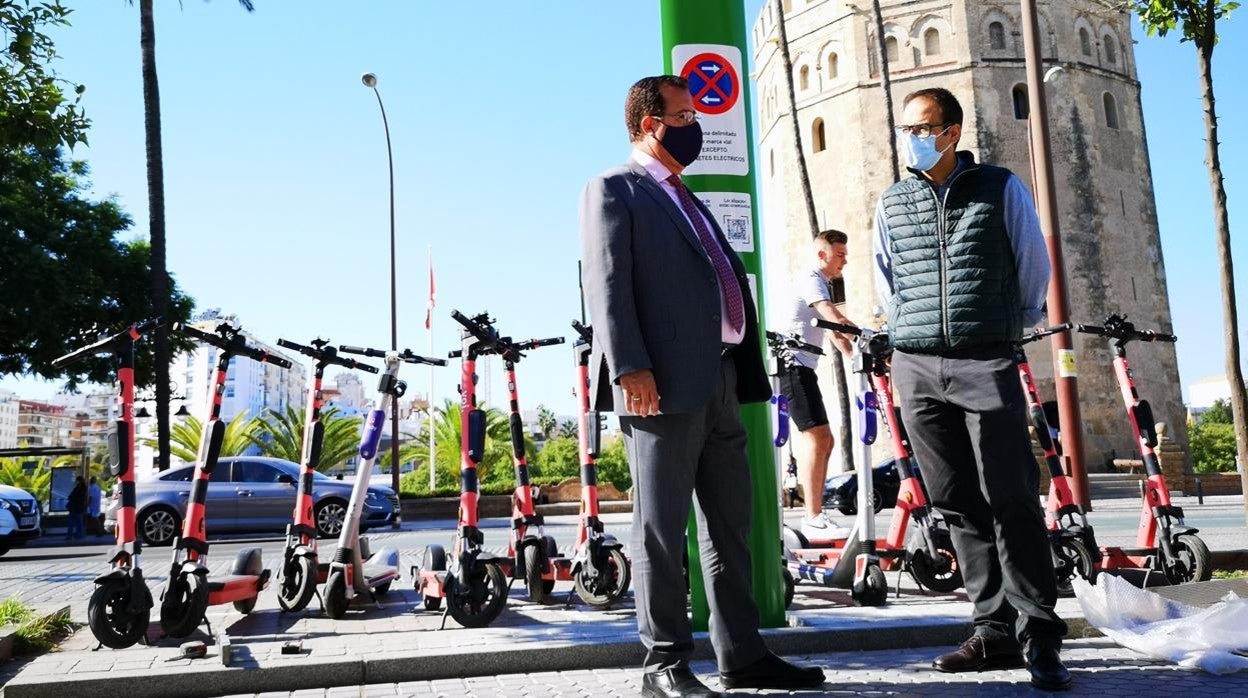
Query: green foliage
{"points": [[1192, 17], [1213, 447], [37, 482], [37, 108], [1229, 574], [1220, 413], [546, 421], [64, 276], [280, 435], [560, 458], [184, 437], [612, 464], [567, 429], [34, 633], [495, 466], [416, 485]]}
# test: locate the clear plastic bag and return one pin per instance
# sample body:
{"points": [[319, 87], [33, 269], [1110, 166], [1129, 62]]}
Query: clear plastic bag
{"points": [[1214, 639]]}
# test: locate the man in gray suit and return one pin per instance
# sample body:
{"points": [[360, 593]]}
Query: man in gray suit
{"points": [[676, 351]]}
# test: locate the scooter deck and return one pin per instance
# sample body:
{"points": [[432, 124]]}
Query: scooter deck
{"points": [[236, 587]]}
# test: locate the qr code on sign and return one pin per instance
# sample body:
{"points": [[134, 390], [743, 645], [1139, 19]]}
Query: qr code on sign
{"points": [[737, 230]]}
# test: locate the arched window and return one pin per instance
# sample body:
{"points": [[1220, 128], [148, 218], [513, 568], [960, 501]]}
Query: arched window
{"points": [[996, 36], [892, 49], [1085, 41], [817, 141], [833, 66], [771, 163], [1022, 107], [1111, 111], [1111, 50], [931, 42], [803, 78]]}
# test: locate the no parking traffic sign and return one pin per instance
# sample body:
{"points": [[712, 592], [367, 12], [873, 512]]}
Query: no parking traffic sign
{"points": [[714, 75]]}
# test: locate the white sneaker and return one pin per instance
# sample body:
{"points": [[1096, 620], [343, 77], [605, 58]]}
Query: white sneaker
{"points": [[821, 528]]}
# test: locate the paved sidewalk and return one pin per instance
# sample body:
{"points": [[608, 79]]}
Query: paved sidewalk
{"points": [[1100, 668]]}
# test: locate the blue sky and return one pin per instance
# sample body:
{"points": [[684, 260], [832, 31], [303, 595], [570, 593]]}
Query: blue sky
{"points": [[275, 160]]}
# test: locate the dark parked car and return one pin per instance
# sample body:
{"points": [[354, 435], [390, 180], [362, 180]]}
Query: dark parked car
{"points": [[841, 491], [247, 494]]}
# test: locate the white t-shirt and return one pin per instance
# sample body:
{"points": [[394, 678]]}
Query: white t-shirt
{"points": [[803, 294]]}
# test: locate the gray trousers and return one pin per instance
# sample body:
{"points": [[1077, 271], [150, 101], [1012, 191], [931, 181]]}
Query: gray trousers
{"points": [[674, 457], [966, 416]]}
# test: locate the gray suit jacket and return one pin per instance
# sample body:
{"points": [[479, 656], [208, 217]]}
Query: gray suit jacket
{"points": [[653, 296]]}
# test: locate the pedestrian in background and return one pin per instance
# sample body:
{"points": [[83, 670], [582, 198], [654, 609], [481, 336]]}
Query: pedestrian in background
{"points": [[77, 505], [94, 516]]}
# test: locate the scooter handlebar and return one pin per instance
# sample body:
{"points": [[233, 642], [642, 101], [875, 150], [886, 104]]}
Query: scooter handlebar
{"points": [[586, 333], [413, 358], [230, 339], [535, 343], [406, 355], [1126, 333], [325, 353], [478, 329], [362, 351], [836, 327], [803, 346], [131, 333], [1045, 332]]}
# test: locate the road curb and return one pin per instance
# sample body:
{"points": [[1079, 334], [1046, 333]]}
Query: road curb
{"points": [[247, 676]]}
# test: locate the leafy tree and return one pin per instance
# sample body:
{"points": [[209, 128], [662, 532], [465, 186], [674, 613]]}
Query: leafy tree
{"points": [[560, 458], [280, 435], [612, 464], [567, 429], [495, 466], [546, 421], [1213, 447], [35, 110], [1198, 22], [1220, 413], [239, 436], [38, 482]]}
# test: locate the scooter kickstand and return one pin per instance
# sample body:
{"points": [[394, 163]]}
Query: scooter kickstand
{"points": [[445, 612], [209, 624]]}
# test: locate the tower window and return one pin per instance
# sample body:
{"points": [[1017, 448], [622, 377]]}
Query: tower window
{"points": [[803, 78], [1085, 41], [771, 163], [833, 66], [891, 49], [931, 42], [996, 36], [1111, 50], [817, 141], [1111, 111], [1022, 107]]}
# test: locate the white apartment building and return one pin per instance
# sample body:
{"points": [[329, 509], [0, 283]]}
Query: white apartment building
{"points": [[8, 419]]}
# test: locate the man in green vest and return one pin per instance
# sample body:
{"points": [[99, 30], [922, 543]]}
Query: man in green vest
{"points": [[962, 267]]}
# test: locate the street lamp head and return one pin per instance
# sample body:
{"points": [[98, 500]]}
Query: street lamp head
{"points": [[1054, 75], [369, 80]]}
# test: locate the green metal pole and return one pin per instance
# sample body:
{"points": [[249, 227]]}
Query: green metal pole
{"points": [[705, 41]]}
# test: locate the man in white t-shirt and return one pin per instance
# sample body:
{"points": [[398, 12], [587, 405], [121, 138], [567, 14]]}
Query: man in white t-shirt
{"points": [[811, 297]]}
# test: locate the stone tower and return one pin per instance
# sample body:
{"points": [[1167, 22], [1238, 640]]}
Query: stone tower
{"points": [[974, 48]]}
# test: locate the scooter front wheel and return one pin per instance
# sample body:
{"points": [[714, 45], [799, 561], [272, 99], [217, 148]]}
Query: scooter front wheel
{"points": [[183, 605], [874, 589], [109, 616], [298, 583], [609, 586], [336, 595], [1072, 559], [533, 565], [480, 602], [942, 575], [1192, 562]]}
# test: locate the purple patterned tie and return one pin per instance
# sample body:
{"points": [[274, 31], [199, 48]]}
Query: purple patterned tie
{"points": [[727, 280]]}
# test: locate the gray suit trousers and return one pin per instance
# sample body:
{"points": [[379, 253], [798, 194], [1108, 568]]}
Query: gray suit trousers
{"points": [[673, 457]]}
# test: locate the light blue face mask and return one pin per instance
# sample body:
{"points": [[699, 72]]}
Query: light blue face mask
{"points": [[921, 151]]}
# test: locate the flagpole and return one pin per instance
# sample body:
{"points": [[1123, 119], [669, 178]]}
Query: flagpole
{"points": [[432, 461]]}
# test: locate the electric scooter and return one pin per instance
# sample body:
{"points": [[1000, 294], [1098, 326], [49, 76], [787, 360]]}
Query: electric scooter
{"points": [[852, 562], [600, 571], [1071, 537], [120, 607], [1164, 543], [354, 571], [189, 592], [471, 580], [301, 570]]}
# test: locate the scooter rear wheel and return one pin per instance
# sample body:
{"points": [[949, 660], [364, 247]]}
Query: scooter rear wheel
{"points": [[610, 585], [480, 603], [1072, 559], [552, 552], [183, 605], [109, 616], [336, 595], [1194, 563], [298, 583], [790, 585], [533, 566]]}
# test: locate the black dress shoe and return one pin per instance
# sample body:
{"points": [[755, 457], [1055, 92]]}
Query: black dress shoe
{"points": [[1046, 668], [978, 654], [772, 672], [675, 683]]}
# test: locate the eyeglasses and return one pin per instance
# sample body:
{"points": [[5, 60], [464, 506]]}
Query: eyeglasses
{"points": [[683, 118], [922, 130]]}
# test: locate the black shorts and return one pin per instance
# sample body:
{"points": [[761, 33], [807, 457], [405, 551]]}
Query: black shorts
{"points": [[800, 385]]}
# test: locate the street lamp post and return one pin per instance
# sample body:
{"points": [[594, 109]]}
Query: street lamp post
{"points": [[1066, 375], [370, 81]]}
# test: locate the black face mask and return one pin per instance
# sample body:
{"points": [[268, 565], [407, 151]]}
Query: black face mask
{"points": [[683, 143]]}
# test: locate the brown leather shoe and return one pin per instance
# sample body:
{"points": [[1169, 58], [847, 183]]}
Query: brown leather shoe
{"points": [[977, 654]]}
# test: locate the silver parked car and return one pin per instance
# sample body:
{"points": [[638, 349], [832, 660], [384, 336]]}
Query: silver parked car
{"points": [[246, 494]]}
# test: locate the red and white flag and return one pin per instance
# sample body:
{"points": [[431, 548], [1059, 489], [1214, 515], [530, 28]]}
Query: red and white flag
{"points": [[432, 296]]}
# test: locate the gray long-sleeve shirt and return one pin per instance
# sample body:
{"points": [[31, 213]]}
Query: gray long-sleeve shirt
{"points": [[1031, 255]]}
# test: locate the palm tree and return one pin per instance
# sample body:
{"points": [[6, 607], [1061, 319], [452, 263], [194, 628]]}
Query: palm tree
{"points": [[240, 434], [281, 436], [546, 421], [841, 387], [156, 220], [567, 428], [1198, 21], [445, 421]]}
